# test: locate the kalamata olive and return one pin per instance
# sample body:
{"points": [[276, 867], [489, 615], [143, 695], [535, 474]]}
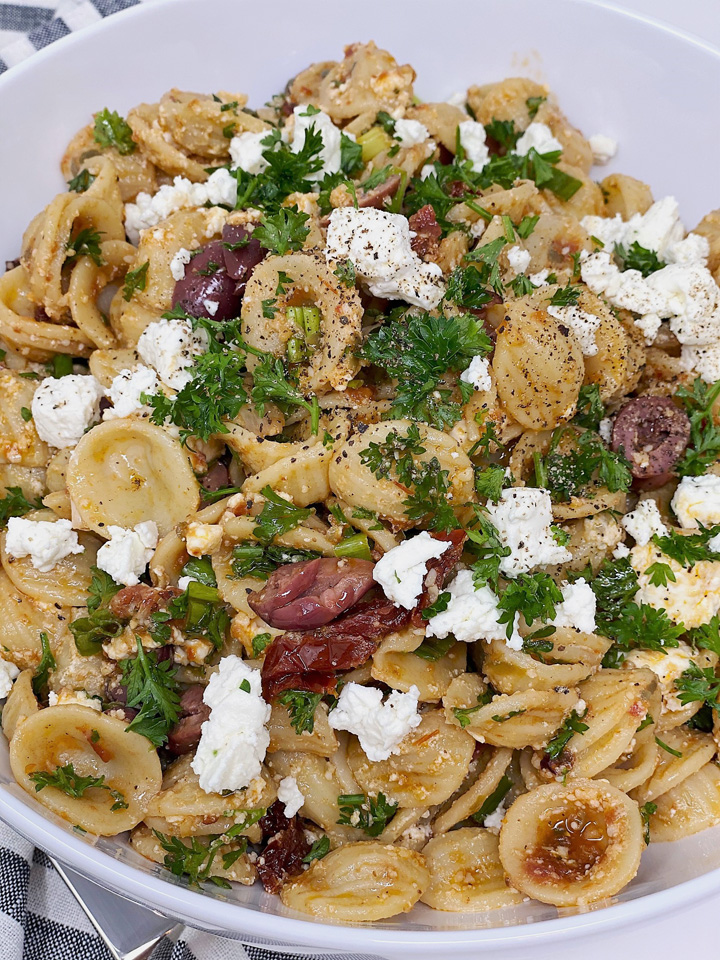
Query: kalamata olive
{"points": [[241, 261], [311, 593], [216, 478], [652, 433], [207, 289], [185, 734]]}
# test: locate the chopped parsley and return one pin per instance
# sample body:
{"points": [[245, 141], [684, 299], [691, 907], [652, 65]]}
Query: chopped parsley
{"points": [[287, 172], [16, 504], [636, 257], [434, 649], [493, 800], [259, 642], [689, 549], [646, 811], [490, 481], [701, 684], [569, 475], [345, 272], [111, 130], [271, 382], [570, 727], [194, 858], [135, 280], [318, 850], [81, 181], [277, 516], [86, 243], [153, 689], [100, 625], [534, 595], [71, 783], [704, 447], [369, 814], [256, 560], [440, 604], [707, 636], [282, 231], [590, 408], [301, 705], [42, 671]]}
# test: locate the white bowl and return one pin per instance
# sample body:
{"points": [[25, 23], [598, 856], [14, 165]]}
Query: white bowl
{"points": [[650, 87]]}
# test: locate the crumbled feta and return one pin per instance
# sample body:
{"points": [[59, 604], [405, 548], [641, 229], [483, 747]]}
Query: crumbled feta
{"points": [[211, 306], [234, 741], [691, 298], [46, 542], [458, 99], [518, 259], [658, 229], [170, 346], [190, 650], [692, 599], [584, 325], [523, 517], [644, 522], [178, 263], [330, 134], [64, 407], [290, 794], [539, 137], [578, 606], [411, 132], [478, 373], [540, 278], [668, 665], [472, 614], [401, 571], [472, 140], [246, 152], [149, 209], [79, 697], [378, 243], [697, 500], [380, 727], [202, 538], [605, 428], [8, 673], [127, 388], [493, 821], [427, 170], [621, 551], [603, 148], [704, 361], [627, 289], [128, 552]]}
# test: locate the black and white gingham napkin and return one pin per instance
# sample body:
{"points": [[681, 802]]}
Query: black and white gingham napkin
{"points": [[39, 918]]}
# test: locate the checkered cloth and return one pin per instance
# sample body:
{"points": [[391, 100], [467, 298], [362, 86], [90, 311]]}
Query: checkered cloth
{"points": [[39, 917]]}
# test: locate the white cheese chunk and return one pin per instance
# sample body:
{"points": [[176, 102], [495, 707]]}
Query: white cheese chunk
{"points": [[126, 390], [149, 209], [378, 243], [644, 522], [401, 571], [380, 727], [584, 325], [703, 361], [234, 741], [178, 263], [291, 795], [493, 821], [605, 428], [603, 148], [478, 373], [472, 614], [8, 673], [577, 610], [697, 501], [523, 517], [667, 665], [79, 697], [307, 117], [472, 140], [64, 407], [518, 259], [170, 346], [539, 137], [246, 152], [411, 132], [128, 552], [44, 541], [202, 538], [692, 599]]}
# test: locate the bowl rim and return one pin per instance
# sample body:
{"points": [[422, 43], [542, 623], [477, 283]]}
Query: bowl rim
{"points": [[178, 900]]}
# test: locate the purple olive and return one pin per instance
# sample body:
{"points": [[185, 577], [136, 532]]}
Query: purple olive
{"points": [[207, 289], [241, 262]]}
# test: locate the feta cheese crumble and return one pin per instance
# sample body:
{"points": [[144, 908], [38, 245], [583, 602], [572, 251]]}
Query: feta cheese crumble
{"points": [[79, 697], [539, 137], [378, 243], [8, 673], [149, 209], [178, 263], [578, 606], [523, 517], [202, 538], [331, 138], [697, 500], [667, 665], [128, 552], [46, 542], [234, 741], [692, 599], [493, 821], [401, 571], [605, 428], [380, 727], [603, 148], [290, 794], [64, 407], [518, 259], [472, 614], [472, 140], [411, 132], [478, 373], [246, 152], [584, 325], [127, 388], [170, 346], [644, 522]]}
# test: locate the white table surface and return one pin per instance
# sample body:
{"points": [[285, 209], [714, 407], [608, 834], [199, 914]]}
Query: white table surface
{"points": [[695, 929]]}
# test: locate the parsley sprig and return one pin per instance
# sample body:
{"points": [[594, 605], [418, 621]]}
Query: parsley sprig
{"points": [[100, 625], [704, 447], [697, 683], [570, 727], [277, 516], [301, 705], [369, 814], [111, 130], [16, 504], [151, 686], [74, 785]]}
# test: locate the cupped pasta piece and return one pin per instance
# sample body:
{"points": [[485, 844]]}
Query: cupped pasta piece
{"points": [[196, 121], [586, 202], [440, 120], [240, 868], [592, 540], [636, 765], [180, 795], [89, 279], [396, 664], [497, 762], [97, 745], [303, 477], [574, 656], [483, 410], [615, 704], [22, 619], [331, 349], [354, 482], [257, 453], [430, 764], [612, 366], [125, 471], [571, 845], [688, 808], [515, 202], [505, 100], [556, 239], [20, 704], [538, 365], [170, 554], [67, 583], [359, 882], [19, 440], [31, 480], [321, 740], [163, 152], [105, 365], [526, 718], [133, 172], [466, 873], [626, 195], [575, 148], [682, 753]]}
